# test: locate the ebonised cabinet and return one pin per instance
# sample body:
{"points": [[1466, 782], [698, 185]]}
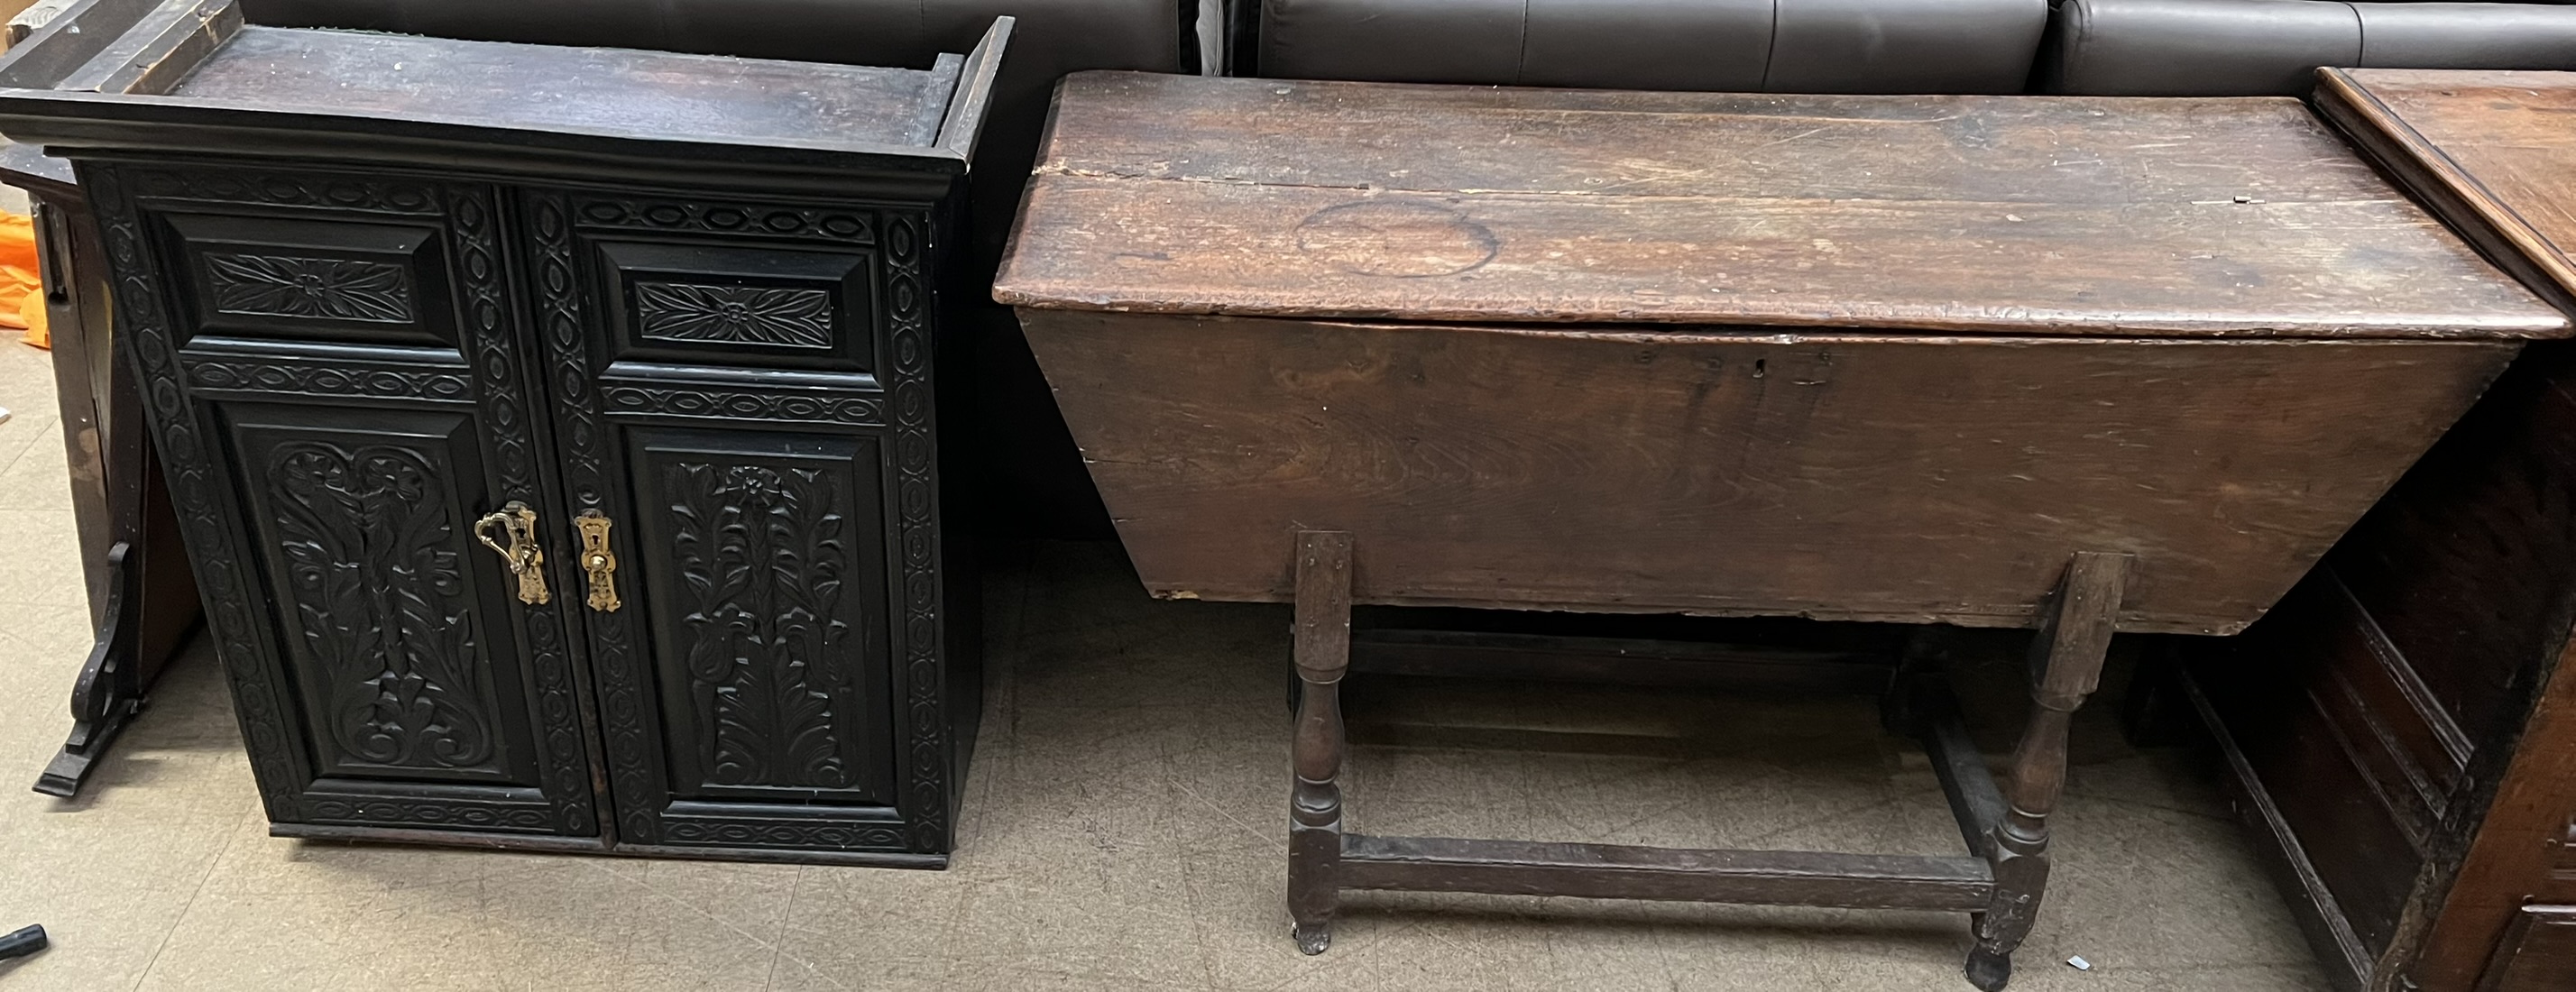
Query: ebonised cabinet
{"points": [[549, 486]]}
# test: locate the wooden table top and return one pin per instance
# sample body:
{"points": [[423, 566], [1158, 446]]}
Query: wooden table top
{"points": [[2493, 150], [1974, 214], [645, 94]]}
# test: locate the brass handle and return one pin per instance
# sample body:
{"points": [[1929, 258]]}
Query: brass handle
{"points": [[598, 561], [523, 556]]}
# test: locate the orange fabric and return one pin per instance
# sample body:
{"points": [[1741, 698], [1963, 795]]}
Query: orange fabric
{"points": [[22, 300]]}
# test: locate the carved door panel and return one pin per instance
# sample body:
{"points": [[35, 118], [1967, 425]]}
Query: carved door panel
{"points": [[745, 401], [336, 388]]}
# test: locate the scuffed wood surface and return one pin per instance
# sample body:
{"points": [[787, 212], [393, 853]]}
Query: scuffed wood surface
{"points": [[2063, 215], [1848, 476], [605, 90], [2495, 151]]}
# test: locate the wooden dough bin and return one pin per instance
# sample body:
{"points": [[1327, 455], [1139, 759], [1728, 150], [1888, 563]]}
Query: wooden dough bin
{"points": [[2084, 365]]}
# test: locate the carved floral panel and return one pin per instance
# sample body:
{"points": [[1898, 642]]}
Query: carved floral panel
{"points": [[762, 555], [678, 311], [380, 600], [328, 288]]}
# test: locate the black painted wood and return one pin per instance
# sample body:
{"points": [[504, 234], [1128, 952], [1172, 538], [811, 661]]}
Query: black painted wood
{"points": [[721, 382]]}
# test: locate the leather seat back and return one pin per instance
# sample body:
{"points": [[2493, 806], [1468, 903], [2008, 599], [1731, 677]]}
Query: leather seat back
{"points": [[2273, 47], [1816, 46]]}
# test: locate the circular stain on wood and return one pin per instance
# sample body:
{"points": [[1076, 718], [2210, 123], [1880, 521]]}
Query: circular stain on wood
{"points": [[1403, 239]]}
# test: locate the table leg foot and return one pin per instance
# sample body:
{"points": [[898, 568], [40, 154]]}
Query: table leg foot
{"points": [[1313, 938], [1988, 969]]}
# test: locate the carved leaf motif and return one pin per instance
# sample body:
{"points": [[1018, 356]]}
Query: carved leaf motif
{"points": [[372, 569], [761, 553], [285, 286], [679, 311]]}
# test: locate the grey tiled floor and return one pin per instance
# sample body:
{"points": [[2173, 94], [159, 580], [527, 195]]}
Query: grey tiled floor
{"points": [[1123, 831]]}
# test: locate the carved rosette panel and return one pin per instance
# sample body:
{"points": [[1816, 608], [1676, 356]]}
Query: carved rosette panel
{"points": [[219, 551], [370, 558], [762, 554], [917, 504], [690, 312], [329, 288]]}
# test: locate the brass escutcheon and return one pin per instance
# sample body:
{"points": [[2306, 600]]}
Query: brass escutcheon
{"points": [[523, 556], [596, 560]]}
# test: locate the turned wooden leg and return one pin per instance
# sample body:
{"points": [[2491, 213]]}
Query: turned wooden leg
{"points": [[2066, 662], [1323, 654]]}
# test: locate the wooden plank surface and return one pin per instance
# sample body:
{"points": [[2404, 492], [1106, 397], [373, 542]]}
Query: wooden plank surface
{"points": [[2493, 150], [2061, 215], [644, 94], [1848, 476]]}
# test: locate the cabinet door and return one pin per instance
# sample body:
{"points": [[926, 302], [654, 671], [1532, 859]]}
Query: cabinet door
{"points": [[746, 407], [332, 374]]}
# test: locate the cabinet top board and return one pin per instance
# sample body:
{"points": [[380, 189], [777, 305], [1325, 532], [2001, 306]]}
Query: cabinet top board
{"points": [[2494, 151], [196, 77], [1944, 214]]}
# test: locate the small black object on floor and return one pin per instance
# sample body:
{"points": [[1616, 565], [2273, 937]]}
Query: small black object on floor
{"points": [[22, 943]]}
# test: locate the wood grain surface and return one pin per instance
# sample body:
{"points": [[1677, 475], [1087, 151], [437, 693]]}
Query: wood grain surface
{"points": [[644, 94], [1850, 476], [2494, 151], [2054, 215]]}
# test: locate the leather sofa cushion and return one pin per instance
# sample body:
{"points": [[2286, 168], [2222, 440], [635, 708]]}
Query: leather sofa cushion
{"points": [[2273, 47], [1850, 46]]}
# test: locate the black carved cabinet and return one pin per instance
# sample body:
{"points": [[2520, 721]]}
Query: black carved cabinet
{"points": [[553, 481]]}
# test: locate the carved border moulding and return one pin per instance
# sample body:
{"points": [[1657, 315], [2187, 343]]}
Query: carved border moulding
{"points": [[468, 813], [340, 379], [696, 313], [286, 189], [615, 671], [823, 835], [471, 216], [684, 401], [295, 286], [917, 503], [760, 219], [215, 550]]}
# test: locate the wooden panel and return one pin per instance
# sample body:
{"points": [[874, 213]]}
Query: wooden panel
{"points": [[330, 280], [2490, 150], [762, 575], [397, 626], [689, 301], [620, 91], [1843, 476], [2538, 953], [382, 679], [2035, 214], [774, 678], [2358, 860]]}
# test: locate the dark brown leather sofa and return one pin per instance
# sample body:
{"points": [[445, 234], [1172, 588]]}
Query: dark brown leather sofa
{"points": [[2124, 47]]}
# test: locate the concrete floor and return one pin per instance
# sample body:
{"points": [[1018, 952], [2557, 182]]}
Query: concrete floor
{"points": [[1123, 830]]}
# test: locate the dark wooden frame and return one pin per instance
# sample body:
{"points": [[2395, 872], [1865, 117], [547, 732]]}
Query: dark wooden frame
{"points": [[2001, 880], [142, 595], [512, 208]]}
